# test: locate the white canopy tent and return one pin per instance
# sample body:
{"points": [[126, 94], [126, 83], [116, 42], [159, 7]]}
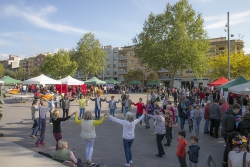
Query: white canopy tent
{"points": [[243, 89], [42, 80], [1, 82], [70, 81]]}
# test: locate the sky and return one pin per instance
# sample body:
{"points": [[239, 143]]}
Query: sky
{"points": [[29, 27]]}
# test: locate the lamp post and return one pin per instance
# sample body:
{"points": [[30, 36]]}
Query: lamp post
{"points": [[103, 72], [228, 45]]}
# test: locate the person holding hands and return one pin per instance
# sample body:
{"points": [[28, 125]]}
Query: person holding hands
{"points": [[128, 133], [88, 133], [112, 105], [98, 105]]}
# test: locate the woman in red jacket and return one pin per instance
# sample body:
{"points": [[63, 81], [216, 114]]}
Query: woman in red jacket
{"points": [[139, 111], [202, 97]]}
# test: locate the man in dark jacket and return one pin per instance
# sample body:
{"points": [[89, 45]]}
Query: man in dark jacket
{"points": [[228, 123], [123, 97], [215, 117], [98, 105], [182, 108], [244, 125]]}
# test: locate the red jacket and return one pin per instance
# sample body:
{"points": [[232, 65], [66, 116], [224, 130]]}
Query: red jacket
{"points": [[139, 107], [181, 149], [206, 112], [202, 95], [224, 107]]}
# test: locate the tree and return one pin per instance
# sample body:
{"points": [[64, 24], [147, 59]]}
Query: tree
{"points": [[59, 65], [10, 73], [2, 70], [21, 74], [89, 55], [152, 76], [174, 40], [36, 72], [239, 65], [134, 75]]}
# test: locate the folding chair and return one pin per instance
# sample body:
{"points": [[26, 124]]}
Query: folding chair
{"points": [[209, 159]]}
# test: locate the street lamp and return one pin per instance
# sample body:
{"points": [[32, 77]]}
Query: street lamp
{"points": [[228, 44], [103, 72]]}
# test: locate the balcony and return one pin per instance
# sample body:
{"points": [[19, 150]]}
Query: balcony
{"points": [[165, 78], [122, 64], [123, 58], [163, 70], [123, 72]]}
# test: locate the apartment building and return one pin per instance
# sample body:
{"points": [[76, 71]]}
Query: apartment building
{"points": [[187, 78], [127, 62], [112, 63], [12, 63]]}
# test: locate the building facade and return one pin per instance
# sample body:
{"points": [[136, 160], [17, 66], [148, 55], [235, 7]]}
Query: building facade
{"points": [[188, 79], [12, 63]]}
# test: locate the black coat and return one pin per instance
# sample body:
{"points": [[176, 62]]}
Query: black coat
{"points": [[244, 127], [228, 122]]}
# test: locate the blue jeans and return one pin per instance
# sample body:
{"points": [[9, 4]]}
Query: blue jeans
{"points": [[196, 125], [127, 143], [206, 126], [123, 106], [112, 112], [82, 110], [182, 122], [97, 113], [126, 110], [37, 126]]}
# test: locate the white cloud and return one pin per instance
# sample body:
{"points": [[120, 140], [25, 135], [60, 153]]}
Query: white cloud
{"points": [[39, 18], [220, 21], [3, 56], [4, 42], [247, 50]]}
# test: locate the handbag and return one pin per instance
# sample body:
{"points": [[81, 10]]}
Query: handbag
{"points": [[244, 159]]}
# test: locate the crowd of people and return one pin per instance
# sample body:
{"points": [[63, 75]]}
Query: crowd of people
{"points": [[223, 120]]}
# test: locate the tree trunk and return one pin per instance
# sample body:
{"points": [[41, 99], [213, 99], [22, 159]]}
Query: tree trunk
{"points": [[172, 80]]}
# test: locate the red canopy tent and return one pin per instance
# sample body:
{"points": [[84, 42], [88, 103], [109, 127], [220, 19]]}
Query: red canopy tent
{"points": [[219, 81]]}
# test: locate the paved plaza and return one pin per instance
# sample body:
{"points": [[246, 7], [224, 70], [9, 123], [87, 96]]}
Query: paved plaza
{"points": [[108, 148]]}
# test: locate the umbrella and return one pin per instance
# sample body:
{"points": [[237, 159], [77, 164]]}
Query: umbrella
{"points": [[95, 81], [9, 80], [155, 82], [112, 81], [134, 82]]}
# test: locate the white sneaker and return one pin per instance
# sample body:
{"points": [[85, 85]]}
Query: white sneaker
{"points": [[127, 164], [130, 161]]}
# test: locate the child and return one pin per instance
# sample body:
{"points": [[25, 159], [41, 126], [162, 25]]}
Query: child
{"points": [[82, 104], [193, 151], [169, 122], [181, 149], [139, 110], [112, 105], [196, 116], [190, 119], [175, 114], [57, 125]]}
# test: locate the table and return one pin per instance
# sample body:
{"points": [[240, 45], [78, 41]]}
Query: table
{"points": [[21, 98]]}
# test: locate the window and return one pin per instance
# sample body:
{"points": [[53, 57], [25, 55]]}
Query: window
{"points": [[132, 54], [222, 48], [42, 58], [108, 65], [38, 64], [131, 69], [115, 65], [37, 59], [108, 73], [115, 73], [131, 61], [189, 71]]}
